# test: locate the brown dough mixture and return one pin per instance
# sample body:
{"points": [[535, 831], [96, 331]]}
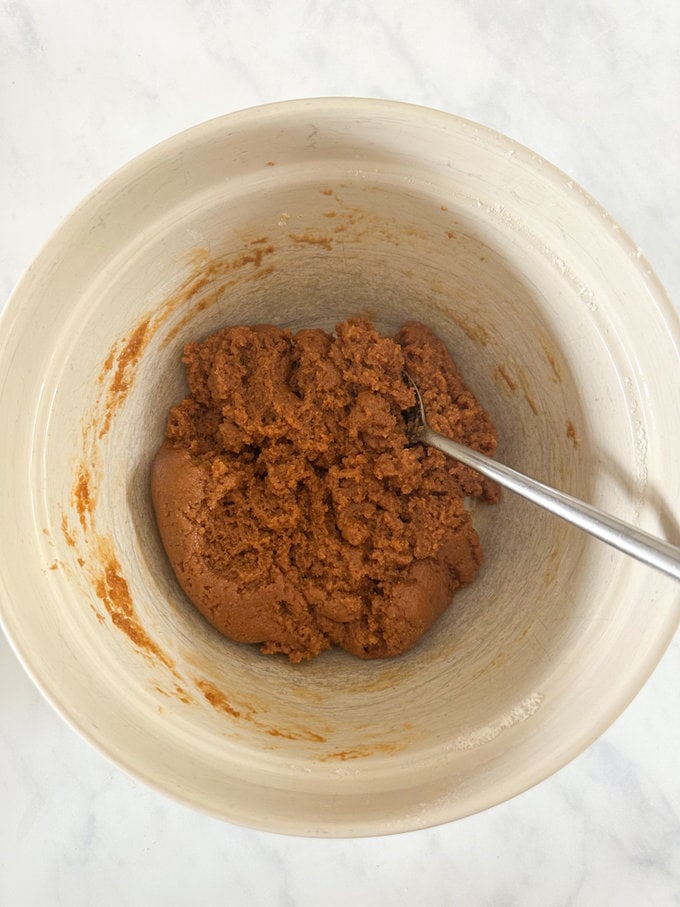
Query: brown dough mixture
{"points": [[292, 509]]}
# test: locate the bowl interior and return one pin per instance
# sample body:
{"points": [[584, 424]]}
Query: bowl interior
{"points": [[302, 217]]}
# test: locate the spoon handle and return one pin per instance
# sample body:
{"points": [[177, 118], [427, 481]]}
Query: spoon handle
{"points": [[619, 534]]}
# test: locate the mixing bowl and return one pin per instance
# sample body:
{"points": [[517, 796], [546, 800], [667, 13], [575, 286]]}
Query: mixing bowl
{"points": [[301, 214]]}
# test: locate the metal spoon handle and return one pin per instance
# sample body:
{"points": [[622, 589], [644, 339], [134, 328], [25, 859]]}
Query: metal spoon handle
{"points": [[619, 534]]}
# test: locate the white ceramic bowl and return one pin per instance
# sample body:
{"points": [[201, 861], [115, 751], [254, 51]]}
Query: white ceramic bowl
{"points": [[301, 214]]}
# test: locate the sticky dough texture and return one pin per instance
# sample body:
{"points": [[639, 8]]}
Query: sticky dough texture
{"points": [[292, 509]]}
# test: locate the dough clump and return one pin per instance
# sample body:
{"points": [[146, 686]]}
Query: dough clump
{"points": [[293, 510]]}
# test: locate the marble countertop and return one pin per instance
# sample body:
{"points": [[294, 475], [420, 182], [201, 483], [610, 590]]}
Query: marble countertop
{"points": [[591, 85]]}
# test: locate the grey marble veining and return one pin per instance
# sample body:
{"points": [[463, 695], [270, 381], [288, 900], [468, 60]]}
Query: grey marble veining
{"points": [[591, 86]]}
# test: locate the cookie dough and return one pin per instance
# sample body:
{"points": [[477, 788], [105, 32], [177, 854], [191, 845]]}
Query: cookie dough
{"points": [[292, 509]]}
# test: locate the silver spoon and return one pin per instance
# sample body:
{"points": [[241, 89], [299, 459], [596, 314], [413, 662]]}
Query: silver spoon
{"points": [[619, 534]]}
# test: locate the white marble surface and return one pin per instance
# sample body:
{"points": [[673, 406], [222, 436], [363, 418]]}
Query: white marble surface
{"points": [[592, 86]]}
